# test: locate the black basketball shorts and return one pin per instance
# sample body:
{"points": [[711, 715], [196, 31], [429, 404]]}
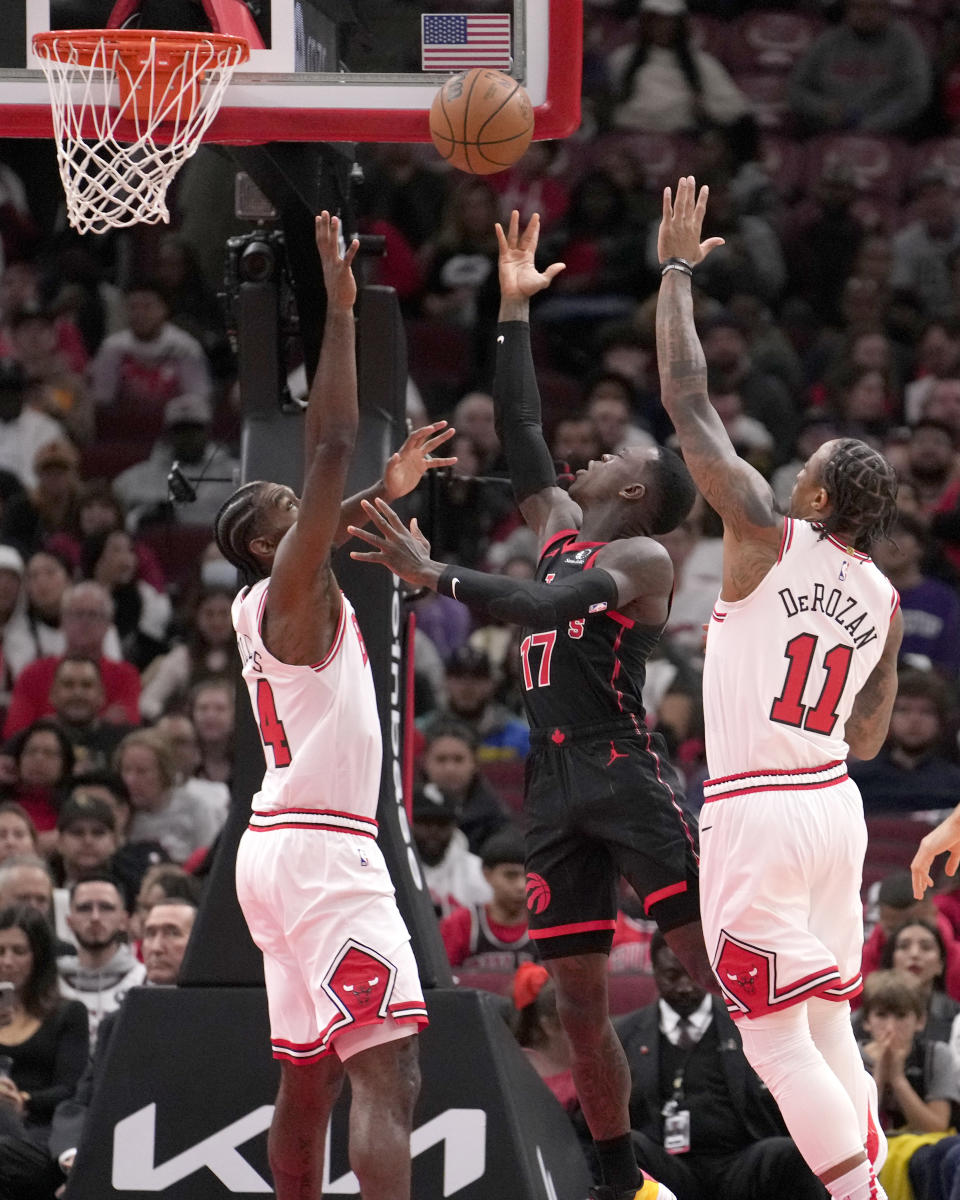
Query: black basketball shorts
{"points": [[601, 804]]}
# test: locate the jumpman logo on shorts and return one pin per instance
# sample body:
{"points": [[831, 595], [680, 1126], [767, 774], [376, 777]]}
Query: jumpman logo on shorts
{"points": [[614, 755]]}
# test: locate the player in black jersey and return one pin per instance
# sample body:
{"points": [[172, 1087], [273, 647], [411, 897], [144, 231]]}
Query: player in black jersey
{"points": [[601, 798]]}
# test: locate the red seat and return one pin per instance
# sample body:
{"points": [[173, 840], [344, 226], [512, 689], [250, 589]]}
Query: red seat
{"points": [[179, 549], [105, 459], [135, 422], [880, 165], [767, 93], [506, 779], [499, 982], [630, 991], [891, 844], [770, 40]]}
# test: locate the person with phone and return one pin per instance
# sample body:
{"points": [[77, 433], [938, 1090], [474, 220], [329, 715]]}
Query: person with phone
{"points": [[46, 1040]]}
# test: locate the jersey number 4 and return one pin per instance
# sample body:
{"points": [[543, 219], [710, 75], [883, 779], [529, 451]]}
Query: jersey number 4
{"points": [[271, 727], [789, 709]]}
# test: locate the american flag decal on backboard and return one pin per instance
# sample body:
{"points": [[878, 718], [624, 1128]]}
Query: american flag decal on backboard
{"points": [[457, 41]]}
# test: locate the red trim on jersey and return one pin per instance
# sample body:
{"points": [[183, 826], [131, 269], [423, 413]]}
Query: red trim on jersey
{"points": [[296, 1060], [675, 889], [776, 787], [323, 826], [857, 554], [590, 561], [843, 991], [563, 533], [320, 812], [584, 545], [894, 603], [616, 661], [576, 927], [719, 617], [337, 639], [408, 1010], [673, 799], [288, 1045], [626, 622], [311, 825], [785, 538], [818, 986], [830, 766]]}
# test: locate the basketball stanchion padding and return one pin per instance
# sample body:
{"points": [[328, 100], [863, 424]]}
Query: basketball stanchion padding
{"points": [[129, 108]]}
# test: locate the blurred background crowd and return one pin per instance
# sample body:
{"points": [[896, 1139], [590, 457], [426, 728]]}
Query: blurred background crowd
{"points": [[830, 137]]}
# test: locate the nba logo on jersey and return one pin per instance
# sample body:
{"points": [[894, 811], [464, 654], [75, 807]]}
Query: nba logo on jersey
{"points": [[843, 570]]}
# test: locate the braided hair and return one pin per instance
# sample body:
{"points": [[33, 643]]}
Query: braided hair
{"points": [[862, 487], [233, 527]]}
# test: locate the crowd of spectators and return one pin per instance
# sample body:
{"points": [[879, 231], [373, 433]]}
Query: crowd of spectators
{"points": [[832, 309]]}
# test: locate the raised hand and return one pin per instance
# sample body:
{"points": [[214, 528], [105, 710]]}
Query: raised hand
{"points": [[945, 839], [337, 274], [405, 552], [519, 277], [681, 223], [407, 467]]}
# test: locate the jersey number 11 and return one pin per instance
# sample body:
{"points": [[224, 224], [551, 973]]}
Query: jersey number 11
{"points": [[788, 707]]}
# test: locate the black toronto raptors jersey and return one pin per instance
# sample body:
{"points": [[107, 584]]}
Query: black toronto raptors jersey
{"points": [[589, 671]]}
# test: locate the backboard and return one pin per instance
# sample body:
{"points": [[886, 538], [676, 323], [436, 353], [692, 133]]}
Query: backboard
{"points": [[328, 70]]}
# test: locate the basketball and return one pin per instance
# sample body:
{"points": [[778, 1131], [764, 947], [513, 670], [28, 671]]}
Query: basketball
{"points": [[481, 121]]}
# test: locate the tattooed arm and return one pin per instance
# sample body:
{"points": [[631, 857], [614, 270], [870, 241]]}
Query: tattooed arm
{"points": [[866, 727], [740, 494]]}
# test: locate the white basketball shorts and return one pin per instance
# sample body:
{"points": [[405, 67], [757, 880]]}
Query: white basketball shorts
{"points": [[319, 902], [781, 863]]}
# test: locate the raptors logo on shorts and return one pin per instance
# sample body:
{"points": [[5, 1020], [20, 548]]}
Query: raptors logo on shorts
{"points": [[538, 893]]}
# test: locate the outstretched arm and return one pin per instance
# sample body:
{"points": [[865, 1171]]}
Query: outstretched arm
{"points": [[739, 493], [330, 429], [406, 552], [403, 472], [515, 392]]}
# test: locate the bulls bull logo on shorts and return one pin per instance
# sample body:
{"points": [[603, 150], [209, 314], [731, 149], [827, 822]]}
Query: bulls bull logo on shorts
{"points": [[744, 973], [360, 982]]}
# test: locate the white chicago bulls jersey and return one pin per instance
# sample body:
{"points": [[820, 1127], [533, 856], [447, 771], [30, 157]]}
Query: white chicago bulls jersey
{"points": [[319, 724], [783, 666]]}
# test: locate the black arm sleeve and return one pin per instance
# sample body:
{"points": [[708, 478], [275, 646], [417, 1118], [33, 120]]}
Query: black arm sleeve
{"points": [[516, 400], [527, 603]]}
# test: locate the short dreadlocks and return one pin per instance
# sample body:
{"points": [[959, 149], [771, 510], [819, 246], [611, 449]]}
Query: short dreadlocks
{"points": [[862, 487], [234, 526]]}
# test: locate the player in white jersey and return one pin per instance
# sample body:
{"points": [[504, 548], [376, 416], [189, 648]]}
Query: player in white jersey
{"points": [[800, 667], [342, 984]]}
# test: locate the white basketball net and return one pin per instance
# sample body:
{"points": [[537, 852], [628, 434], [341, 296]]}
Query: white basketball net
{"points": [[125, 123]]}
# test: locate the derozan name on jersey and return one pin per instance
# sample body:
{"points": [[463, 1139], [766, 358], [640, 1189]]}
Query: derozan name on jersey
{"points": [[838, 605]]}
